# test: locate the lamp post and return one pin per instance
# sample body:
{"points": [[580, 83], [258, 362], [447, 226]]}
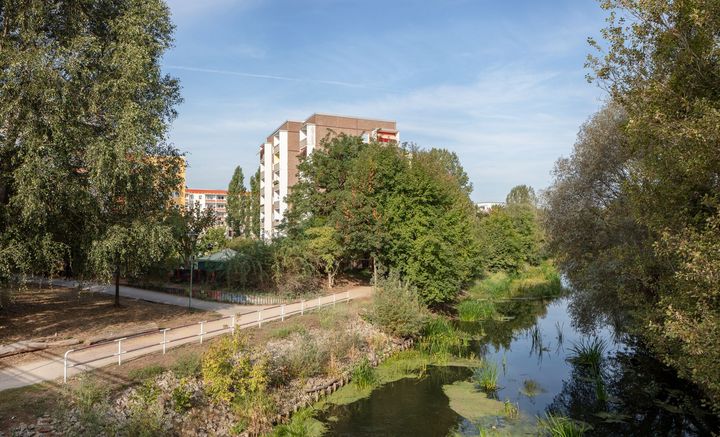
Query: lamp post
{"points": [[193, 240]]}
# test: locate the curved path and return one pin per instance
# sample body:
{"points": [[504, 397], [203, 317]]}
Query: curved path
{"points": [[97, 356]]}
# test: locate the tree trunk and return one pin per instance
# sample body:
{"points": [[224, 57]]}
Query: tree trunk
{"points": [[117, 286], [330, 280]]}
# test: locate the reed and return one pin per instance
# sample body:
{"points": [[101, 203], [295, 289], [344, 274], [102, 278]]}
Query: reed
{"points": [[559, 426], [589, 354], [485, 377]]}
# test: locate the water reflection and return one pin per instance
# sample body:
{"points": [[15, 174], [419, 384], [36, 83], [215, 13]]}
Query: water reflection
{"points": [[629, 394]]}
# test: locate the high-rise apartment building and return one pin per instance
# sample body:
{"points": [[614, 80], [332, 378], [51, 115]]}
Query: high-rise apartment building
{"points": [[282, 151], [209, 199]]}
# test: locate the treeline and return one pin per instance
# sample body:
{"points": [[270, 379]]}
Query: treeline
{"points": [[380, 208], [634, 213]]}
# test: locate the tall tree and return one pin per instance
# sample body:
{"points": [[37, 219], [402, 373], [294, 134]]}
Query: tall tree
{"points": [[84, 113], [238, 209], [656, 229], [521, 195], [254, 216]]}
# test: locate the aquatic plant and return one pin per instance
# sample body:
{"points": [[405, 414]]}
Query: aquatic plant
{"points": [[442, 339], [475, 310], [363, 374], [302, 424], [496, 285], [485, 377], [559, 426], [589, 354], [531, 388], [512, 411]]}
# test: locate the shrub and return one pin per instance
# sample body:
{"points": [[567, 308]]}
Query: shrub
{"points": [[475, 310], [187, 365], [89, 394], [182, 396], [228, 371], [287, 330], [251, 267], [293, 271], [397, 309], [302, 424], [363, 374]]}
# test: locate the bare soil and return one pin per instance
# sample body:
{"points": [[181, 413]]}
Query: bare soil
{"points": [[60, 313]]}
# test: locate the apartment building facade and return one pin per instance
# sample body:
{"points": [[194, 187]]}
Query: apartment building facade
{"points": [[293, 141], [209, 199]]}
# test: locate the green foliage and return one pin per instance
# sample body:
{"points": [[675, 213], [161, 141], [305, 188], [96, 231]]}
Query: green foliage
{"points": [[363, 374], [254, 205], [521, 195], [416, 219], [181, 396], [84, 111], [187, 365], [212, 240], [396, 308], [559, 426], [302, 424], [305, 359], [510, 238], [239, 217], [631, 212], [292, 270], [89, 394], [531, 388], [589, 354], [441, 339], [485, 377], [251, 267], [325, 250], [512, 411], [228, 371], [475, 310]]}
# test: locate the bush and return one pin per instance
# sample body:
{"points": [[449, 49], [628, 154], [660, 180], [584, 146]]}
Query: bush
{"points": [[182, 396], [363, 374], [306, 358], [187, 365], [251, 267], [397, 309], [293, 271], [228, 372]]}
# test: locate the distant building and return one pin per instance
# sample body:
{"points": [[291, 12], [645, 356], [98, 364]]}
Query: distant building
{"points": [[291, 142], [209, 199], [487, 206]]}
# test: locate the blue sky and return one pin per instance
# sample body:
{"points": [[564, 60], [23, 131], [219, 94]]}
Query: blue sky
{"points": [[501, 83]]}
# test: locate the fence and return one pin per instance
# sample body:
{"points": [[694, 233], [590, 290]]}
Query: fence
{"points": [[205, 329], [221, 296]]}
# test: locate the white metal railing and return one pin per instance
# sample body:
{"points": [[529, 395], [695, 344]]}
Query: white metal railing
{"points": [[203, 333]]}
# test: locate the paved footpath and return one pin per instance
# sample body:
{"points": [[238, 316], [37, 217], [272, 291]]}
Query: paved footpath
{"points": [[52, 368]]}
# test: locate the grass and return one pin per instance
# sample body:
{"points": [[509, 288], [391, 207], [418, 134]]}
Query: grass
{"points": [[187, 365], [538, 281], [146, 372], [441, 339], [288, 330], [363, 374], [485, 377], [475, 310], [302, 424], [512, 411], [589, 354], [559, 426]]}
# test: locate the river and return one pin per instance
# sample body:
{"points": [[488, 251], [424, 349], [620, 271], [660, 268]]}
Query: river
{"points": [[531, 347]]}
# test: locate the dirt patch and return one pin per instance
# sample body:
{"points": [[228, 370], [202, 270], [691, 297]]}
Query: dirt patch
{"points": [[61, 313]]}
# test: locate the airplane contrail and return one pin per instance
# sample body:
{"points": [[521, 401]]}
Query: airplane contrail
{"points": [[269, 76]]}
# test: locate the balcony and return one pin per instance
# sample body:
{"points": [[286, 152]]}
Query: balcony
{"points": [[276, 149], [276, 205], [276, 167]]}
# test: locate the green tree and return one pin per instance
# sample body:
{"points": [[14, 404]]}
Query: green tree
{"points": [[212, 240], [84, 112], [325, 248], [655, 193], [521, 195], [254, 203], [188, 224], [239, 208]]}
